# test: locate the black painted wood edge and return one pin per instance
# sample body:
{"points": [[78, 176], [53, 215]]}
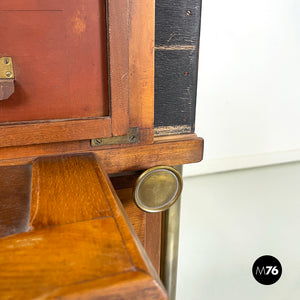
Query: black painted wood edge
{"points": [[176, 65]]}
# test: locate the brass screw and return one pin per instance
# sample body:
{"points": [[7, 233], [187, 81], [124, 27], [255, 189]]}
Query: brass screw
{"points": [[188, 12], [6, 61], [132, 139], [8, 74], [98, 141]]}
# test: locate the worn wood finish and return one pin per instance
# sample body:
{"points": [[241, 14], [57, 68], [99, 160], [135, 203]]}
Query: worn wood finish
{"points": [[37, 133], [14, 199], [177, 27], [165, 151], [117, 12], [93, 253], [175, 90], [177, 23], [141, 64], [74, 104], [49, 42]]}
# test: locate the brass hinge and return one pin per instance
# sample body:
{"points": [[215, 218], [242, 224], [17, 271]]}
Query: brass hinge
{"points": [[7, 77], [133, 137], [6, 68]]}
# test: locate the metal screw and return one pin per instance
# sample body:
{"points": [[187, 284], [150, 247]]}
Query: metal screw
{"points": [[8, 74], [188, 12], [132, 139], [6, 61], [98, 141]]}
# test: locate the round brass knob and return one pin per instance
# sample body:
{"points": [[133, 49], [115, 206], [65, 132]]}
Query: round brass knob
{"points": [[157, 189]]}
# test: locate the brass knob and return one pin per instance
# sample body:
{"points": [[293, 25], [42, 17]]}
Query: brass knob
{"points": [[157, 189]]}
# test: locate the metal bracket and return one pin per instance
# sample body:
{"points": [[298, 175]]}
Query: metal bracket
{"points": [[7, 77], [6, 68], [133, 137]]}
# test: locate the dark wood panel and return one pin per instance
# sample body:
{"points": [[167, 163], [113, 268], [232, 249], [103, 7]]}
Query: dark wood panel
{"points": [[176, 65], [36, 263], [177, 22], [59, 57], [14, 199], [59, 195], [175, 90]]}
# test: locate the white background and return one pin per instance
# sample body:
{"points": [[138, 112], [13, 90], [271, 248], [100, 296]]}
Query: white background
{"points": [[248, 103], [248, 112], [230, 219]]}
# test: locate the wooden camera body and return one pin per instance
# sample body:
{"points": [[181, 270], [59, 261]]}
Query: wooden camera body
{"points": [[92, 94]]}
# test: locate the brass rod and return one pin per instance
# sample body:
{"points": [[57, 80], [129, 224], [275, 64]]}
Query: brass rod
{"points": [[170, 243]]}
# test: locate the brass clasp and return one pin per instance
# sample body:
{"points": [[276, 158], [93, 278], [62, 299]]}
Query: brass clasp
{"points": [[7, 78]]}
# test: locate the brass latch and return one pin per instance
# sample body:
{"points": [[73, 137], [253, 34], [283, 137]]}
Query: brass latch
{"points": [[133, 137], [7, 78]]}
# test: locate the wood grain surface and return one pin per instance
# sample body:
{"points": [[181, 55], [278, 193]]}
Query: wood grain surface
{"points": [[81, 246], [146, 225], [141, 64], [130, 285], [174, 150], [61, 92], [51, 132], [34, 264], [15, 183]]}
